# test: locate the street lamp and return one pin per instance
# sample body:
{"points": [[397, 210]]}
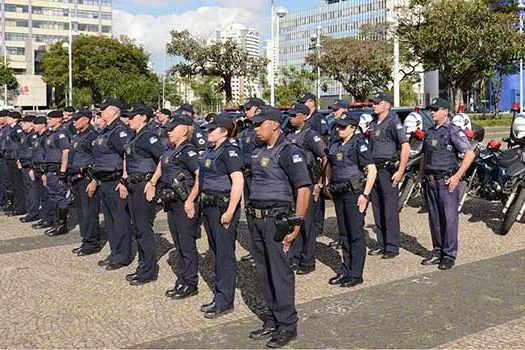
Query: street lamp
{"points": [[521, 7], [67, 46], [5, 67], [316, 38], [281, 12]]}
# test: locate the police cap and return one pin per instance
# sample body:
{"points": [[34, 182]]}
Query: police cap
{"points": [[438, 103], [299, 108], [338, 104], [254, 101], [55, 114], [185, 107], [348, 119], [221, 120], [165, 111], [15, 115], [4, 113], [267, 113], [69, 109], [29, 118], [41, 119], [79, 113], [110, 101], [381, 96], [138, 110], [181, 120], [306, 97]]}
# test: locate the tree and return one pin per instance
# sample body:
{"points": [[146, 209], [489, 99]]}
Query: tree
{"points": [[102, 66], [209, 92], [7, 77], [171, 90], [291, 84], [224, 60], [361, 66], [462, 39]]}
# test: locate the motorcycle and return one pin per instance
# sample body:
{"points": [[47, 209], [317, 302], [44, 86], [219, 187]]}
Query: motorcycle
{"points": [[409, 184]]}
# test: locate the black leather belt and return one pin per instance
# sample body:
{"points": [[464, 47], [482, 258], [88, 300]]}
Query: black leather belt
{"points": [[106, 176], [210, 200], [136, 178], [52, 167], [438, 175], [266, 213]]}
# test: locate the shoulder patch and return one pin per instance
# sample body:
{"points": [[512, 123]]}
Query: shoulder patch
{"points": [[123, 134], [233, 153], [198, 134], [153, 140], [19, 130], [317, 138], [363, 148], [297, 158], [61, 136], [323, 121], [399, 126], [192, 153]]}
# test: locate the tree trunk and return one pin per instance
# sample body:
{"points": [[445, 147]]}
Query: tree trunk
{"points": [[496, 86], [228, 88]]}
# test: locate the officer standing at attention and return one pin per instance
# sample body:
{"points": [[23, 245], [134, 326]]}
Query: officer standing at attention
{"points": [[25, 157], [142, 155], [4, 183], [248, 142], [390, 150], [80, 162], [69, 126], [317, 122], [279, 175], [222, 186], [314, 149], [12, 145], [163, 117], [47, 208], [178, 173], [56, 151], [442, 170], [350, 157], [198, 138], [108, 152]]}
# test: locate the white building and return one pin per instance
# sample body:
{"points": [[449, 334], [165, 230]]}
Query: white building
{"points": [[248, 38]]}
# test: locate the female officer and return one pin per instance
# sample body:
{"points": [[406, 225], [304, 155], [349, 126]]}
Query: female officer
{"points": [[349, 158], [222, 186], [142, 156], [181, 163]]}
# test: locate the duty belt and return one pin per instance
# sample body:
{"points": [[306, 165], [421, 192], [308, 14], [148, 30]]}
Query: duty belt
{"points": [[436, 176], [26, 165], [340, 188], [210, 200], [51, 167], [136, 178], [386, 164], [106, 176], [266, 213]]}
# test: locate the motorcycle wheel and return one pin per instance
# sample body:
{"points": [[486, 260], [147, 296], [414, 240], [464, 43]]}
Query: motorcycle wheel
{"points": [[512, 213], [463, 192], [406, 191]]}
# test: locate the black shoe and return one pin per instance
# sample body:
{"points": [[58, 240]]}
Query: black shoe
{"points": [[51, 229], [61, 227], [171, 292], [16, 213], [304, 270], [131, 276], [294, 266], [389, 255], [30, 218], [263, 333], [42, 224], [76, 250], [208, 307], [334, 245], [433, 260], [351, 282], [186, 291], [446, 264], [114, 266], [138, 281], [247, 257], [281, 338], [86, 252], [215, 313], [337, 279], [104, 262], [377, 251]]}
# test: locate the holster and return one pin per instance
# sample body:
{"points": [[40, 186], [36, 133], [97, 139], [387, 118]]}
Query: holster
{"points": [[212, 200], [51, 168], [103, 176], [314, 170], [340, 188], [136, 178]]}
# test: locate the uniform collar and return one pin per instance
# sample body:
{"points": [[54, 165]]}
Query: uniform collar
{"points": [[114, 124], [446, 124]]}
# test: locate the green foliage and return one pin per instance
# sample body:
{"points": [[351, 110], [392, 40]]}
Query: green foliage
{"points": [[361, 66], [171, 92], [224, 60], [105, 67], [291, 84], [7, 77], [209, 92]]}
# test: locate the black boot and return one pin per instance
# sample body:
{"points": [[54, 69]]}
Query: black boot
{"points": [[61, 228], [55, 223]]}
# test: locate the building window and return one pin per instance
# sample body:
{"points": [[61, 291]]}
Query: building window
{"points": [[16, 37], [16, 8], [49, 11], [106, 29], [51, 25], [20, 51], [88, 27]]}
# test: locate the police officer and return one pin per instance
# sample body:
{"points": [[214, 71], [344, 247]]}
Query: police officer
{"points": [[222, 186], [69, 126], [198, 138], [317, 122], [47, 208], [25, 158], [4, 183], [279, 175], [314, 149], [56, 151], [108, 152], [12, 146], [163, 117], [179, 167], [442, 172], [80, 175], [248, 142], [142, 156], [350, 157], [390, 150]]}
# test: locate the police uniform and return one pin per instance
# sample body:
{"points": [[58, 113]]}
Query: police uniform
{"points": [[176, 161], [313, 147], [217, 166], [348, 160], [14, 135], [198, 138], [142, 156], [385, 140], [31, 188], [108, 152], [56, 141], [162, 134], [442, 146], [80, 175], [277, 173], [4, 183]]}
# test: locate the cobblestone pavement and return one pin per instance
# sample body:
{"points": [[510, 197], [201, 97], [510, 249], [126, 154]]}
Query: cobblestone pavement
{"points": [[51, 299]]}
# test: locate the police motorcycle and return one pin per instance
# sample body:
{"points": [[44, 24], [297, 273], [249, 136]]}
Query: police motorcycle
{"points": [[498, 175], [413, 125]]}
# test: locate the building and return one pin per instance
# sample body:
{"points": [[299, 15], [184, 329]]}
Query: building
{"points": [[271, 53], [335, 18], [248, 38], [29, 27]]}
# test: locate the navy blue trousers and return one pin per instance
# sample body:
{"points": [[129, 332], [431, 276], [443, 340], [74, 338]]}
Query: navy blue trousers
{"points": [[386, 213], [47, 208], [275, 275], [443, 217], [57, 191], [87, 214], [32, 193], [17, 185], [303, 248]]}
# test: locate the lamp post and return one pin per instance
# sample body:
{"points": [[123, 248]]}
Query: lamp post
{"points": [[5, 67], [70, 71], [281, 12], [521, 6], [317, 39]]}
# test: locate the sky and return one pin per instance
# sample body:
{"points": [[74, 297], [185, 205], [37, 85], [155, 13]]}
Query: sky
{"points": [[149, 22]]}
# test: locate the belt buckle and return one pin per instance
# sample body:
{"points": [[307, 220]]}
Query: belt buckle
{"points": [[258, 214]]}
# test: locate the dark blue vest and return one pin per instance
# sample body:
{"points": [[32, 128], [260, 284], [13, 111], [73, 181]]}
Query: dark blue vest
{"points": [[213, 179], [344, 161], [106, 157], [80, 153], [138, 159], [172, 167], [381, 139], [52, 151], [440, 153]]}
